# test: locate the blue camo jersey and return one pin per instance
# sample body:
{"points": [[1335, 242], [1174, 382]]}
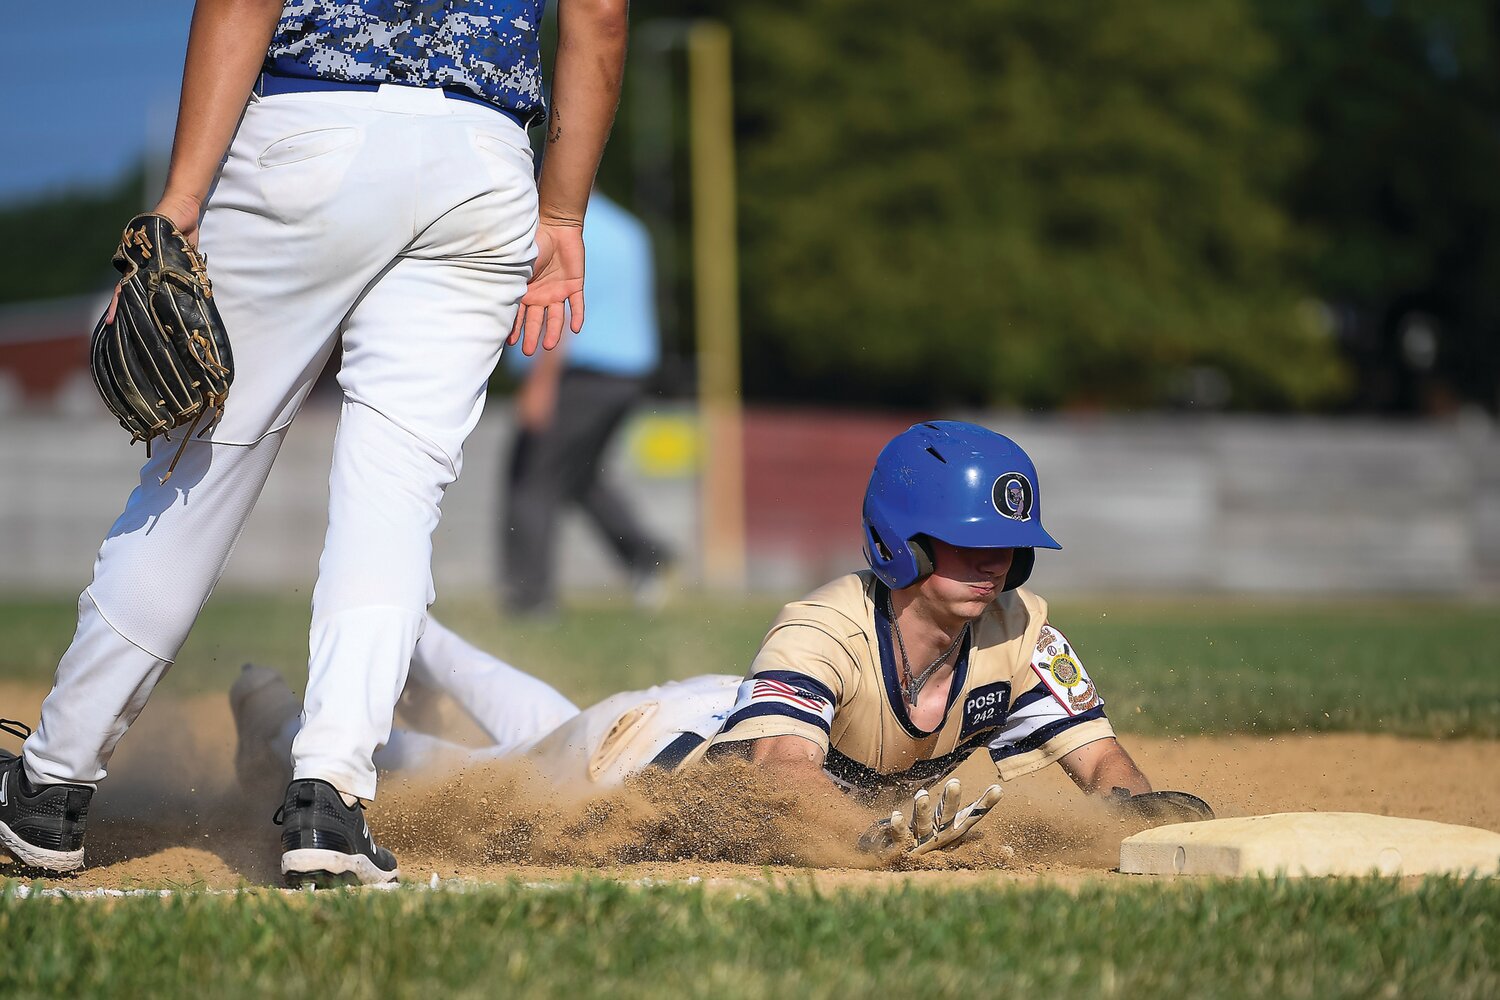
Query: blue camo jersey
{"points": [[488, 48]]}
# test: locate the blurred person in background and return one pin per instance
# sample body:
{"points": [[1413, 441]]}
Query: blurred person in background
{"points": [[570, 407]]}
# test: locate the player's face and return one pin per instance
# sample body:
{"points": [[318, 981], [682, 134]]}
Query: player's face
{"points": [[965, 581]]}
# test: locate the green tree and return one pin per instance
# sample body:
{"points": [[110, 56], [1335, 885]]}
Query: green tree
{"points": [[1400, 103], [60, 245], [997, 201]]}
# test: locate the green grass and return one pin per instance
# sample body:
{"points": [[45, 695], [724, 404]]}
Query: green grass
{"points": [[1417, 669], [587, 652], [1420, 669], [1311, 938], [1164, 666]]}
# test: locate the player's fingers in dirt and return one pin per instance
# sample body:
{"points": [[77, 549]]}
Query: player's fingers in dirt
{"points": [[923, 818], [948, 804], [970, 815]]}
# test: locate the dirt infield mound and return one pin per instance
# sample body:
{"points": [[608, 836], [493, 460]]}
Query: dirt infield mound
{"points": [[171, 816], [724, 812]]}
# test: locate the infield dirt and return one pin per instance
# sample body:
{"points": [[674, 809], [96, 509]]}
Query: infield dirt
{"points": [[171, 814]]}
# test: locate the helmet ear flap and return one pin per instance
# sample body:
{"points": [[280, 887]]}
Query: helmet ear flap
{"points": [[1021, 565], [899, 565], [921, 550]]}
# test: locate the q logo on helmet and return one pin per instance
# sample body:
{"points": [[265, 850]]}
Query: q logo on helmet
{"points": [[1013, 496]]}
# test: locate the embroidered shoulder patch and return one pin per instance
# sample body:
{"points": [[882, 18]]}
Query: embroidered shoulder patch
{"points": [[1063, 675]]}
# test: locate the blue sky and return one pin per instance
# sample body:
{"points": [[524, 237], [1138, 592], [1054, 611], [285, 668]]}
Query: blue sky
{"points": [[83, 100]]}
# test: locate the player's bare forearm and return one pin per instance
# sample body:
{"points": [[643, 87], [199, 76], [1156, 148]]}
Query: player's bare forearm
{"points": [[226, 48], [1102, 766], [800, 761], [591, 36], [585, 91]]}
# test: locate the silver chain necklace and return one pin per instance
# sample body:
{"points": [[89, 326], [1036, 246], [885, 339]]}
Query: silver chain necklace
{"points": [[911, 686]]}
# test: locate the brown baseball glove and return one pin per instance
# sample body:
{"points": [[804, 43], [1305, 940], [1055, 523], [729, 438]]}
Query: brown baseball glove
{"points": [[163, 360]]}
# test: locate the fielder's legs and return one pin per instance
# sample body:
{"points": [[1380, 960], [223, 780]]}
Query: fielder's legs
{"points": [[283, 280], [152, 577], [418, 351]]}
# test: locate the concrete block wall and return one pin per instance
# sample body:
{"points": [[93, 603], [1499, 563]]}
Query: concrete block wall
{"points": [[65, 481], [1232, 505], [1257, 505]]}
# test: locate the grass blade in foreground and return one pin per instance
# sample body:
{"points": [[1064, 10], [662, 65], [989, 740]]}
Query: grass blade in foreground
{"points": [[1309, 938]]}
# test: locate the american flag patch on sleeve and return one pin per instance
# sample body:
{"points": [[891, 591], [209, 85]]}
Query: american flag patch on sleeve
{"points": [[785, 693]]}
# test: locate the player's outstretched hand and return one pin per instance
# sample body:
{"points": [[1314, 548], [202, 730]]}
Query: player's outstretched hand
{"points": [[934, 826], [1160, 808], [556, 280]]}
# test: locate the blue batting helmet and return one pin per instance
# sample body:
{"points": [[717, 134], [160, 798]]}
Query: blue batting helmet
{"points": [[956, 482]]}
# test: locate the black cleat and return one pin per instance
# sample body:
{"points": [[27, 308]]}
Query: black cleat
{"points": [[326, 843], [41, 826]]}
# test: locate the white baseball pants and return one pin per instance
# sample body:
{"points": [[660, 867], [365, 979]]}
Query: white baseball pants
{"points": [[398, 226], [513, 708], [624, 734], [596, 748]]}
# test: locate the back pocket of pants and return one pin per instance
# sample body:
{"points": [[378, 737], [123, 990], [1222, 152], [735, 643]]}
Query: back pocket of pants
{"points": [[504, 160], [301, 173], [308, 145]]}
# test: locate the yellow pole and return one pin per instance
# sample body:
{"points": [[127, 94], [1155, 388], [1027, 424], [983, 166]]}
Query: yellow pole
{"points": [[716, 285]]}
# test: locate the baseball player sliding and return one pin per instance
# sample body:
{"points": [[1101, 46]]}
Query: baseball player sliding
{"points": [[889, 677], [359, 177]]}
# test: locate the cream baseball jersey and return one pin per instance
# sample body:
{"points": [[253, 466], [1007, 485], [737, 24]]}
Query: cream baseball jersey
{"points": [[826, 671]]}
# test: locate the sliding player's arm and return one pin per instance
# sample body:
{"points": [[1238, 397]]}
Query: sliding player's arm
{"points": [[1057, 715], [793, 690], [798, 760], [1102, 766]]}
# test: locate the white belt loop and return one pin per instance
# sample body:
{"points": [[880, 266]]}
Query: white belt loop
{"points": [[417, 100]]}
